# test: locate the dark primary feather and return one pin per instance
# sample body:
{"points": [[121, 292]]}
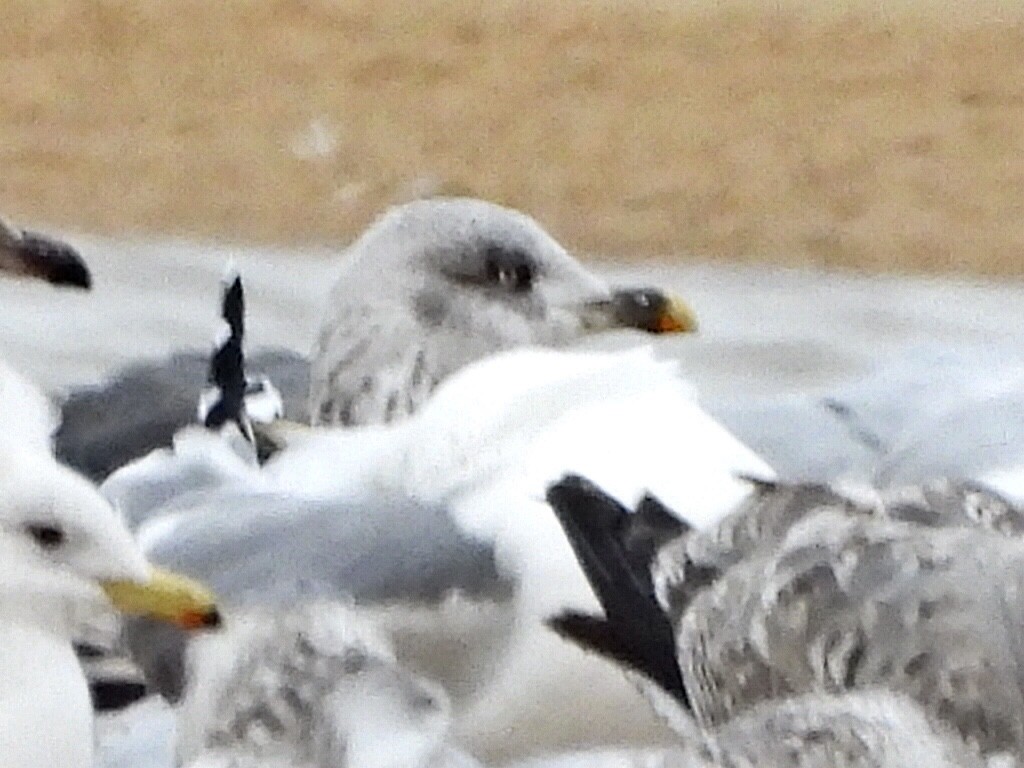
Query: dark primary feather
{"points": [[651, 526], [227, 365], [635, 630]]}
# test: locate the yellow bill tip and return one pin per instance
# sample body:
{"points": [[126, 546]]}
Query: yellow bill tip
{"points": [[166, 596], [676, 316]]}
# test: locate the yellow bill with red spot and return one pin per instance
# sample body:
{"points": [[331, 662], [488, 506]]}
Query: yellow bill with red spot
{"points": [[166, 596]]}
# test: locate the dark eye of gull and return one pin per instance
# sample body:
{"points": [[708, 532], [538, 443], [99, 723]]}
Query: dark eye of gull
{"points": [[46, 536], [512, 269]]}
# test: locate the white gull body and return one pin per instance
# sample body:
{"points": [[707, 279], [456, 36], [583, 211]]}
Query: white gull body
{"points": [[484, 448]]}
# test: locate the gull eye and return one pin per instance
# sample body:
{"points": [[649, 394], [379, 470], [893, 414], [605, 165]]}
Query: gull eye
{"points": [[510, 268], [46, 536], [523, 276]]}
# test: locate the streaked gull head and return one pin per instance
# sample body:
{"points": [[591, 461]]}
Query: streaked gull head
{"points": [[313, 685], [436, 284]]}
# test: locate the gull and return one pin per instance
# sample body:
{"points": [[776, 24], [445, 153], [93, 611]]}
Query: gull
{"points": [[438, 524], [309, 686], [64, 555], [428, 288], [317, 686], [837, 601], [436, 519]]}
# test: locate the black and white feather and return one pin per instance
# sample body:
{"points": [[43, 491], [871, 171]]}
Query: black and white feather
{"points": [[231, 395]]}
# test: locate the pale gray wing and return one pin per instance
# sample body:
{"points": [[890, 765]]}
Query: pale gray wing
{"points": [[929, 413], [799, 436], [942, 413], [167, 481], [854, 602], [255, 549], [979, 436], [141, 408]]}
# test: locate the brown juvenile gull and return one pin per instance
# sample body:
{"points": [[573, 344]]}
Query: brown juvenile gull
{"points": [[430, 287], [839, 602]]}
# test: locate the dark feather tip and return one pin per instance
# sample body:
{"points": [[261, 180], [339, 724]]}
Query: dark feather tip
{"points": [[635, 631], [54, 261], [227, 365]]}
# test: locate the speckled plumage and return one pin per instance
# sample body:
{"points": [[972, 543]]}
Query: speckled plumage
{"points": [[688, 564], [852, 602], [806, 590], [313, 686], [415, 301], [875, 729]]}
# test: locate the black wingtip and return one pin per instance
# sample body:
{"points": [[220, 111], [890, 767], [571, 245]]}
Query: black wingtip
{"points": [[576, 500], [54, 261], [652, 526], [575, 495], [115, 695], [635, 631], [233, 304], [600, 636], [227, 364]]}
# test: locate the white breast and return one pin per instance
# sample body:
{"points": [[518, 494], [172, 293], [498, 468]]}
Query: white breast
{"points": [[45, 712]]}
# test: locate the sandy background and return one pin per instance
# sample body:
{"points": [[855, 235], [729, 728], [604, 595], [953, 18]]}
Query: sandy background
{"points": [[863, 134]]}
